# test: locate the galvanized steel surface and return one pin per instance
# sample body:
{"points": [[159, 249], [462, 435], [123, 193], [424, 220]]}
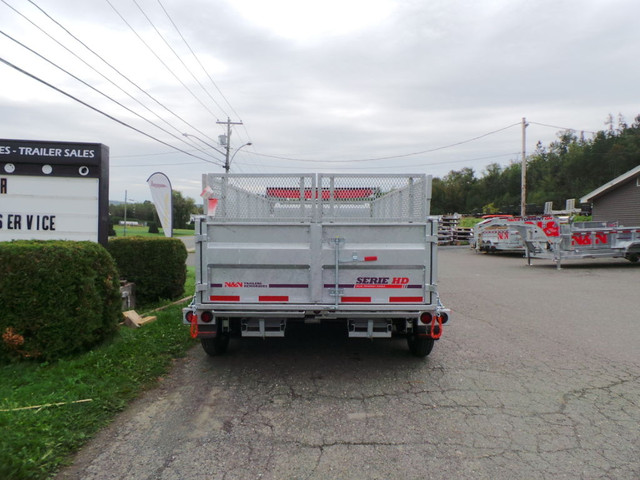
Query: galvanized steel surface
{"points": [[321, 197]]}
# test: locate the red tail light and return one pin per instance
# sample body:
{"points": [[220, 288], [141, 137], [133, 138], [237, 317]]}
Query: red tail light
{"points": [[206, 317], [190, 316], [444, 317], [425, 318]]}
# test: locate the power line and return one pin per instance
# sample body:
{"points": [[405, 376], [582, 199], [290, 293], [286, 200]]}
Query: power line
{"points": [[198, 60], [160, 60], [153, 165], [105, 62], [430, 164], [178, 56], [392, 156], [94, 89], [24, 72], [244, 127], [560, 128]]}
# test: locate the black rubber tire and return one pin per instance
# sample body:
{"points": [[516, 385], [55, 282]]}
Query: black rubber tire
{"points": [[632, 257], [420, 346], [215, 346]]}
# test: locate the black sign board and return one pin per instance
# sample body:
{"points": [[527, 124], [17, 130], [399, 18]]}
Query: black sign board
{"points": [[54, 190]]}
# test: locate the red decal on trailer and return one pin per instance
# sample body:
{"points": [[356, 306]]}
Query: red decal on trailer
{"points": [[406, 299], [273, 298], [233, 284], [581, 239], [601, 238], [224, 298], [356, 299], [361, 285]]}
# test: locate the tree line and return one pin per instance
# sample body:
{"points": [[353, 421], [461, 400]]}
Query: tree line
{"points": [[182, 207], [569, 167]]}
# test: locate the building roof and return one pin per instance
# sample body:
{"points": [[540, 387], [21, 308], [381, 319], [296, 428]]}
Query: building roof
{"points": [[610, 185]]}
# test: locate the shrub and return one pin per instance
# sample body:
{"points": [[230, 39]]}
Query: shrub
{"points": [[56, 298], [153, 227], [156, 265]]}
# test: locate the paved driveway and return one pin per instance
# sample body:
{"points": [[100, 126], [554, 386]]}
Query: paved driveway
{"points": [[537, 378]]}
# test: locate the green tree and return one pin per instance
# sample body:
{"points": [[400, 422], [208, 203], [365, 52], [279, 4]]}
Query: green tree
{"points": [[182, 209]]}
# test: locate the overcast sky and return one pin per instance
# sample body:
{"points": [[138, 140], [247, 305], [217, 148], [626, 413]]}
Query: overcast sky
{"points": [[345, 86]]}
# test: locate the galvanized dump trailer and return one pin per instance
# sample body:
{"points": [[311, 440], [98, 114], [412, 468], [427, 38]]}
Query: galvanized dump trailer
{"points": [[276, 249]]}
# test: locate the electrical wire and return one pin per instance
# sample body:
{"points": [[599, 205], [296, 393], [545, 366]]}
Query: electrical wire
{"points": [[198, 60], [392, 156], [160, 60], [105, 62], [154, 164], [96, 90], [244, 127], [560, 128], [178, 57], [24, 72], [447, 162], [50, 17]]}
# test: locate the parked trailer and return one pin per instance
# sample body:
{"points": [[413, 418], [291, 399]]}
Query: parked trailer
{"points": [[493, 235], [499, 233], [558, 239], [273, 250]]}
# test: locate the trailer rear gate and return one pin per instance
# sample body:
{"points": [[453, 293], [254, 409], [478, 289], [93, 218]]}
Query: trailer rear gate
{"points": [[272, 248]]}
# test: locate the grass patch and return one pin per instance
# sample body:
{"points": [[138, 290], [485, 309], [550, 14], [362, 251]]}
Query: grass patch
{"points": [[34, 443], [140, 231]]}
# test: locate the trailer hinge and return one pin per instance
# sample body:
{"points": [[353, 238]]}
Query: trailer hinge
{"points": [[200, 238], [432, 238], [201, 287], [432, 288]]}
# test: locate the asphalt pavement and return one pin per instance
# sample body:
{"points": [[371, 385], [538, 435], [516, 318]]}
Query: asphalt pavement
{"points": [[537, 377]]}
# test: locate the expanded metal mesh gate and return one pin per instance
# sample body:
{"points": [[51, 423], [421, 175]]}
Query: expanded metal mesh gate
{"points": [[317, 198]]}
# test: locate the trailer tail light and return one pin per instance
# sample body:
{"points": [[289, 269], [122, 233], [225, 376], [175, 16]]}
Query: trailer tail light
{"points": [[206, 317], [444, 317], [370, 259], [425, 318], [191, 317]]}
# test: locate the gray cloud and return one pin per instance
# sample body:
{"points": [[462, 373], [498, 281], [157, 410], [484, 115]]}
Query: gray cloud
{"points": [[429, 75]]}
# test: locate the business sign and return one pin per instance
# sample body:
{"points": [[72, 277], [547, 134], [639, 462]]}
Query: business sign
{"points": [[54, 191]]}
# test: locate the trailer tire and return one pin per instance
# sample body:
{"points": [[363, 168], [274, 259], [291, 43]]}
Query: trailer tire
{"points": [[632, 257], [420, 346], [215, 346]]}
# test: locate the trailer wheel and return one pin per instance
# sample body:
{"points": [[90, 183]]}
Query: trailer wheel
{"points": [[420, 346], [632, 257], [215, 346]]}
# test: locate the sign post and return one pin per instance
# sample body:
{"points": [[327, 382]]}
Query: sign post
{"points": [[54, 191]]}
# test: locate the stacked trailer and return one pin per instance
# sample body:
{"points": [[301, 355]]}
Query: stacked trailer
{"points": [[272, 250]]}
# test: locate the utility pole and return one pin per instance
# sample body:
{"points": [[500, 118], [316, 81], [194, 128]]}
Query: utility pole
{"points": [[523, 180], [228, 123]]}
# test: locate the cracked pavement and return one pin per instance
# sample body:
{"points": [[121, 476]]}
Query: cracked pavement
{"points": [[538, 377]]}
